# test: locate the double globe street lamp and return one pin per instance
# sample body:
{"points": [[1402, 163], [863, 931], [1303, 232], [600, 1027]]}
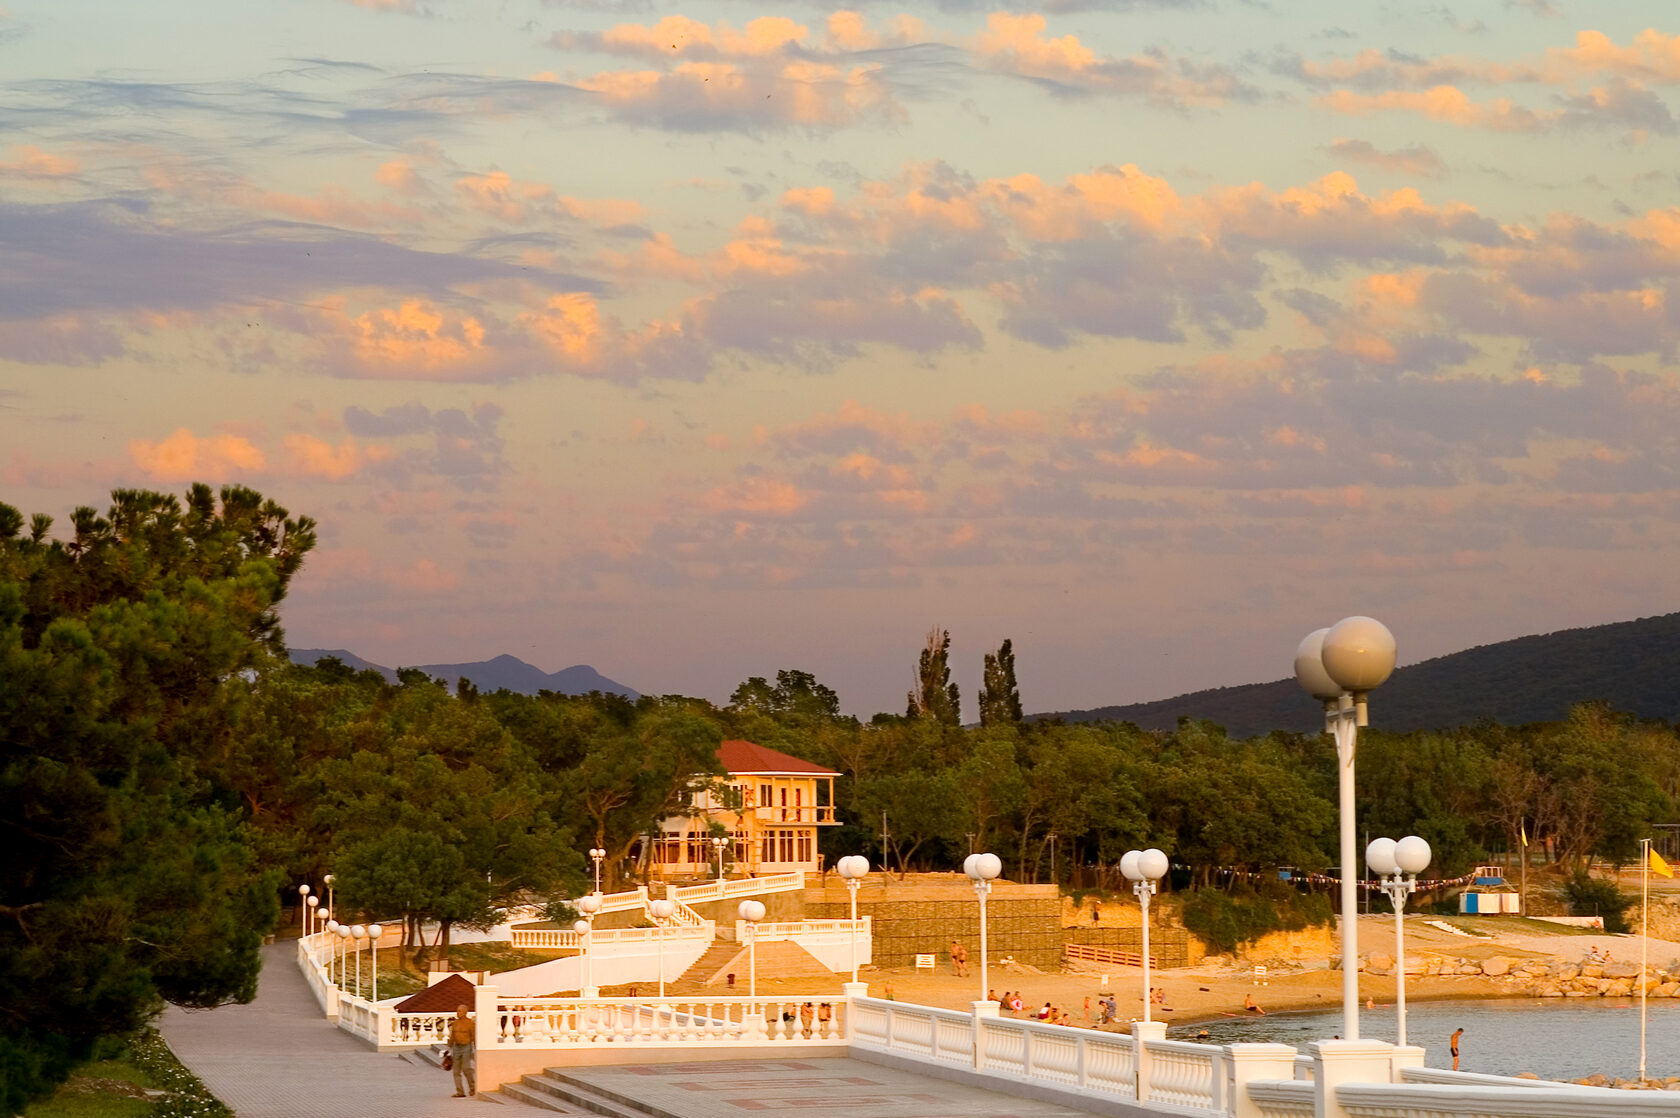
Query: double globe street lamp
{"points": [[982, 870], [853, 868], [1144, 869], [589, 906], [661, 910], [752, 912], [1397, 865], [1339, 666]]}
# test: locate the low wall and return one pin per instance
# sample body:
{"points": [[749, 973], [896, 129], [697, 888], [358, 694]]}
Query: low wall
{"points": [[1025, 928]]}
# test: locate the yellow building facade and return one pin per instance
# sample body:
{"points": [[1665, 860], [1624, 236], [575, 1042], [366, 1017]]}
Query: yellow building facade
{"points": [[771, 813]]}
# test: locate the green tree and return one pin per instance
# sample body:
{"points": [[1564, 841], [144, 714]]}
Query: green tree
{"points": [[935, 696], [796, 695], [429, 763], [127, 654], [1000, 698]]}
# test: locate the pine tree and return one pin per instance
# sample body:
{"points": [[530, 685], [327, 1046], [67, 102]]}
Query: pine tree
{"points": [[935, 695], [1000, 698]]}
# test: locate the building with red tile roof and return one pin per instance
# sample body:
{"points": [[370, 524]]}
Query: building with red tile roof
{"points": [[768, 808]]}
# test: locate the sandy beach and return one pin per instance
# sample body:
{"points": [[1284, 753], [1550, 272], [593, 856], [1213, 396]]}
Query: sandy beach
{"points": [[1195, 995]]}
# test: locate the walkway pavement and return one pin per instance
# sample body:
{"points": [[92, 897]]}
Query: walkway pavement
{"points": [[279, 1058]]}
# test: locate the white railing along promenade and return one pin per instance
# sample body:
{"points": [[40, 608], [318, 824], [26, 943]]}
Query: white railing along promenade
{"points": [[1331, 1079], [608, 939], [669, 1023], [739, 887], [767, 931]]}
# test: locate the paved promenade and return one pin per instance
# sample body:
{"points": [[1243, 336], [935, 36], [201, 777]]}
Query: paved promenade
{"points": [[279, 1058]]}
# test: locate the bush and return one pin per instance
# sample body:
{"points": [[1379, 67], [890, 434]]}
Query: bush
{"points": [[1226, 921], [1590, 896]]}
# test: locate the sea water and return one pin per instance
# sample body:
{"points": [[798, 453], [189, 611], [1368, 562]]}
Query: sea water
{"points": [[1555, 1038]]}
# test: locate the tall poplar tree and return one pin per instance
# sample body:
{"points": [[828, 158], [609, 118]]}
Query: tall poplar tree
{"points": [[935, 696], [1000, 698]]}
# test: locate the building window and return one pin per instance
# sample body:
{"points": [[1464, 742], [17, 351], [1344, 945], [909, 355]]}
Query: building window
{"points": [[798, 797], [787, 846], [768, 850], [804, 846], [764, 799], [784, 795]]}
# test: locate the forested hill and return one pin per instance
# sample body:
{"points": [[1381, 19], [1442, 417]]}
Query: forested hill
{"points": [[504, 672], [1632, 665]]}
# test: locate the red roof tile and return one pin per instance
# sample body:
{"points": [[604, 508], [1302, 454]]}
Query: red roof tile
{"points": [[748, 757], [443, 996]]}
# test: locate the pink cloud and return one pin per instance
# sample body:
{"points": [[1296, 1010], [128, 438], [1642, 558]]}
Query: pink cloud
{"points": [[30, 162], [184, 456], [1015, 44]]}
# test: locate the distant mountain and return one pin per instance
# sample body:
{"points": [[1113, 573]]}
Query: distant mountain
{"points": [[504, 671], [351, 660], [1632, 665]]}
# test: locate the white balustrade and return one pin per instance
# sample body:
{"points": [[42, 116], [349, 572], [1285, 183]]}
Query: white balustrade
{"points": [[671, 1023], [1282, 1098], [1169, 1076], [1182, 1073], [606, 939], [1432, 1100]]}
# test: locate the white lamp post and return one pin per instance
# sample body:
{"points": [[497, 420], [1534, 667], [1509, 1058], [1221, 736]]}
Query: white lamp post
{"points": [[720, 845], [1339, 666], [329, 879], [597, 855], [662, 909], [343, 954], [1397, 865], [589, 906], [853, 869], [752, 912], [331, 928], [303, 912], [982, 869], [1144, 868], [358, 932], [312, 901], [375, 931]]}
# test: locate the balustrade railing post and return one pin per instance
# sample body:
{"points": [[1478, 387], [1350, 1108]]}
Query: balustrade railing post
{"points": [[1245, 1063], [488, 1032], [1142, 1033], [1336, 1062]]}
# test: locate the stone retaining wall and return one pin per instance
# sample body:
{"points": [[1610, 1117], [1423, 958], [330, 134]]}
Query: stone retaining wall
{"points": [[1542, 979]]}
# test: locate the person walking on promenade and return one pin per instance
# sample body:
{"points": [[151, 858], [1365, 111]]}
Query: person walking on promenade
{"points": [[1454, 1043], [462, 1037]]}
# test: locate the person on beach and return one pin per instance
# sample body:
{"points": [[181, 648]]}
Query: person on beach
{"points": [[462, 1034], [1096, 913], [1454, 1043], [1252, 1006]]}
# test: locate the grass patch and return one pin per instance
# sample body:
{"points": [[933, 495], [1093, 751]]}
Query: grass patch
{"points": [[143, 1081]]}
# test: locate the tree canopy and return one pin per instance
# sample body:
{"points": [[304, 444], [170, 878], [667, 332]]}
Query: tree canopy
{"points": [[126, 658]]}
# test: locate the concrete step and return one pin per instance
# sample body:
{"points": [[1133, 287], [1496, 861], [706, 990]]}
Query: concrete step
{"points": [[573, 1097], [623, 1105], [535, 1097]]}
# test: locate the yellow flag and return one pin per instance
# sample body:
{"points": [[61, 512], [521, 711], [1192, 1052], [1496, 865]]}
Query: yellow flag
{"points": [[1658, 866], [1524, 826]]}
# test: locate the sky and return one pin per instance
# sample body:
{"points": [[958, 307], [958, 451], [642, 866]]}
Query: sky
{"points": [[696, 339]]}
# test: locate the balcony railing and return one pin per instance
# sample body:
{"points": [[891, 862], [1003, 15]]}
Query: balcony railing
{"points": [[809, 813]]}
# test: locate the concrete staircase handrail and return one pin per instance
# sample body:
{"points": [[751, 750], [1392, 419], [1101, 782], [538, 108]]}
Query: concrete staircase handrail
{"points": [[739, 887], [606, 939]]}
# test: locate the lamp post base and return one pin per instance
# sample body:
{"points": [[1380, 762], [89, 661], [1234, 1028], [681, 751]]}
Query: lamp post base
{"points": [[855, 989], [984, 1008]]}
